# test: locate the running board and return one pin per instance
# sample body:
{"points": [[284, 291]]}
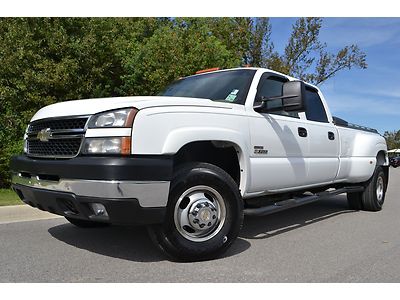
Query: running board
{"points": [[286, 204]]}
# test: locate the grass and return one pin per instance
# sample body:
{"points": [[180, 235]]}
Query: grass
{"points": [[9, 197]]}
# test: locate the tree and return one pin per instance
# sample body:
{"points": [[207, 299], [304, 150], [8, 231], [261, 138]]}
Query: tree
{"points": [[306, 57], [392, 139], [248, 38], [47, 60], [176, 49]]}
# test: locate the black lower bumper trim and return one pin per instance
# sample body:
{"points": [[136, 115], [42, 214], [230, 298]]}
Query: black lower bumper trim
{"points": [[120, 211], [143, 167]]}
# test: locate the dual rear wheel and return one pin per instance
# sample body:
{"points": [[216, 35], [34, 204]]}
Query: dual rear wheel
{"points": [[373, 196]]}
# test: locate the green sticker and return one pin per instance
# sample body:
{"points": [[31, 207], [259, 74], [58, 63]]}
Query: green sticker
{"points": [[230, 98], [232, 95]]}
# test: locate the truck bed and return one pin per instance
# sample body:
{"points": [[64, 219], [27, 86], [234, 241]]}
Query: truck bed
{"points": [[343, 123]]}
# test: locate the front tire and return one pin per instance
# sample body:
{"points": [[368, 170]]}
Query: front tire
{"points": [[204, 214], [373, 197]]}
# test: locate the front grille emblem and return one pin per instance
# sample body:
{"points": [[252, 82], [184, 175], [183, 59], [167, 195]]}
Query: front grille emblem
{"points": [[44, 135]]}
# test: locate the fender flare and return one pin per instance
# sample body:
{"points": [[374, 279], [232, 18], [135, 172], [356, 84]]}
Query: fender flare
{"points": [[178, 138]]}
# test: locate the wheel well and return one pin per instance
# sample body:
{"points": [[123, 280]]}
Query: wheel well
{"points": [[220, 154], [381, 158]]}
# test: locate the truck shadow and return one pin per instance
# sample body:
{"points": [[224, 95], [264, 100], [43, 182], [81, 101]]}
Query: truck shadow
{"points": [[128, 243], [291, 219], [134, 244]]}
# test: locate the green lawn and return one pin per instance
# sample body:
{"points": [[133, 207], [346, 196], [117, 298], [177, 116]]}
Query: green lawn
{"points": [[9, 197]]}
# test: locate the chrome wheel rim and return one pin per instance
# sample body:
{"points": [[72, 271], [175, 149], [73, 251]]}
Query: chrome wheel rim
{"points": [[199, 213], [379, 189]]}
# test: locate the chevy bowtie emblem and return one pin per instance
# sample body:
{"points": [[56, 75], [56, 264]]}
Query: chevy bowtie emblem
{"points": [[44, 135]]}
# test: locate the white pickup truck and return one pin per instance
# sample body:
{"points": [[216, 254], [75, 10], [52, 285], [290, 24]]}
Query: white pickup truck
{"points": [[193, 160]]}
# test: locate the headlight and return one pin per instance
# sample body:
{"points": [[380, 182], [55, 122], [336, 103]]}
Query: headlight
{"points": [[115, 118], [107, 145]]}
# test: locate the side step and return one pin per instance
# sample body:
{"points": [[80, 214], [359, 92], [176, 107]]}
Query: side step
{"points": [[286, 204]]}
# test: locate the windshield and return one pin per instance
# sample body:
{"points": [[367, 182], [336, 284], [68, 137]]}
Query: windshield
{"points": [[228, 86]]}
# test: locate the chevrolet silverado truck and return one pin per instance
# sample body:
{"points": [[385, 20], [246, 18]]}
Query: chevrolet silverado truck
{"points": [[192, 161]]}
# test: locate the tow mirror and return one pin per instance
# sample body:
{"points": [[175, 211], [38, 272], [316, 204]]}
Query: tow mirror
{"points": [[292, 99]]}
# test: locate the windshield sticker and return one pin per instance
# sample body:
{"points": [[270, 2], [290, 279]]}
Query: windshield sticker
{"points": [[232, 96]]}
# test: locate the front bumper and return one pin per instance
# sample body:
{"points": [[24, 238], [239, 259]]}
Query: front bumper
{"points": [[134, 190]]}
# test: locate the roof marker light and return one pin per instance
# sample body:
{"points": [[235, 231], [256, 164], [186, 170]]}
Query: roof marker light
{"points": [[207, 70]]}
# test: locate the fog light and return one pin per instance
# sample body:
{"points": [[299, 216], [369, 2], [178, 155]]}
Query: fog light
{"points": [[99, 210]]}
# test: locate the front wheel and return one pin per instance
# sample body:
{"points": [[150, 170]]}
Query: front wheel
{"points": [[372, 198], [204, 214]]}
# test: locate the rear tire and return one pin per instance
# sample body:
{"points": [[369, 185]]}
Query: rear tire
{"points": [[85, 223], [204, 214], [373, 197]]}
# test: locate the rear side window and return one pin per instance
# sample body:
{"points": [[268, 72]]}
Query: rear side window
{"points": [[315, 110]]}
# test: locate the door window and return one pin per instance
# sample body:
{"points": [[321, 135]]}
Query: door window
{"points": [[272, 86], [315, 110]]}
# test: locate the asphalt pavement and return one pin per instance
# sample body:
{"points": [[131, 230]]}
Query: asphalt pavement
{"points": [[319, 242]]}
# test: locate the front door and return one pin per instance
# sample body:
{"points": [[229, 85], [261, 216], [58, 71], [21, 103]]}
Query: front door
{"points": [[278, 143]]}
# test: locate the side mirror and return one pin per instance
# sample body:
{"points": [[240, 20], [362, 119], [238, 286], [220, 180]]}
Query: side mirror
{"points": [[292, 99]]}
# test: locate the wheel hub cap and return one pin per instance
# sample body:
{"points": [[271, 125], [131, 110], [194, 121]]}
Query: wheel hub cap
{"points": [[199, 213], [202, 214], [379, 189]]}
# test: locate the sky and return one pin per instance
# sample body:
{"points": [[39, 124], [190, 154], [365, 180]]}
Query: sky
{"points": [[369, 97]]}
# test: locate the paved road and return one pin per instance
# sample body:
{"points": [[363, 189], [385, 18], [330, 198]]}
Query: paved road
{"points": [[321, 242]]}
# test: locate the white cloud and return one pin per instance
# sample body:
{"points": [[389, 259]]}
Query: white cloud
{"points": [[361, 104], [365, 32], [395, 93]]}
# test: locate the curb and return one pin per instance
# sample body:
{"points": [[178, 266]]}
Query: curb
{"points": [[22, 213]]}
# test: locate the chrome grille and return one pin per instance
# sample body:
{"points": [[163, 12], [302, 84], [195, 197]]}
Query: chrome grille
{"points": [[56, 138]]}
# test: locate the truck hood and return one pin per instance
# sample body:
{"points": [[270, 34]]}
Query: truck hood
{"points": [[93, 106]]}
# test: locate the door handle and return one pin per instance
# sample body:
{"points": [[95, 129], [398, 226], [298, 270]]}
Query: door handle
{"points": [[331, 135], [302, 131]]}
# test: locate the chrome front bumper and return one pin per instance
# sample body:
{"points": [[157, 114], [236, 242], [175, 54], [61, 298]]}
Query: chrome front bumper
{"points": [[148, 193]]}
